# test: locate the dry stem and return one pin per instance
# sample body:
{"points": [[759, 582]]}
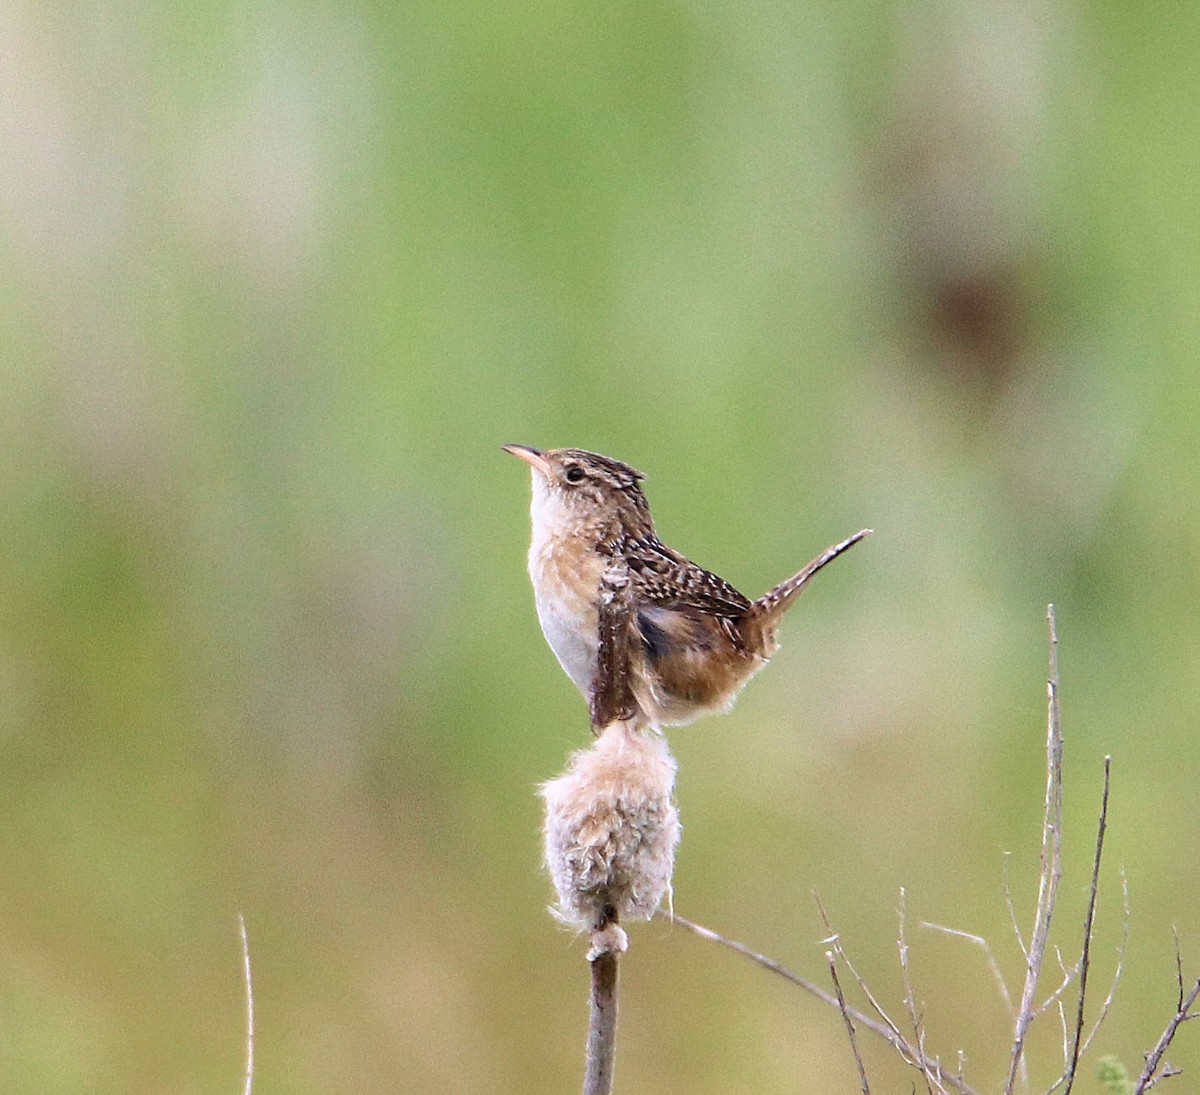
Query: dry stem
{"points": [[1051, 861], [1075, 1043], [910, 997], [1154, 1059], [993, 965], [249, 1081], [835, 938], [602, 1025], [1089, 923], [841, 999], [887, 1032]]}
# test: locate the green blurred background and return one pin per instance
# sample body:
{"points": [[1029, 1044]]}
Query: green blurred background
{"points": [[277, 280]]}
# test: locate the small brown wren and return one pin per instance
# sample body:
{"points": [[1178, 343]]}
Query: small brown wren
{"points": [[645, 634]]}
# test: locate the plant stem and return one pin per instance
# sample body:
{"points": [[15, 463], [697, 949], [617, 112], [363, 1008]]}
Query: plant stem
{"points": [[602, 1027]]}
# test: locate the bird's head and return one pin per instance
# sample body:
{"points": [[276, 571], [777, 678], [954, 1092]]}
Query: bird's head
{"points": [[580, 492]]}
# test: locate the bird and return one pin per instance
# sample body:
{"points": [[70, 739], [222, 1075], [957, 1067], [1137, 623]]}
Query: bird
{"points": [[649, 637]]}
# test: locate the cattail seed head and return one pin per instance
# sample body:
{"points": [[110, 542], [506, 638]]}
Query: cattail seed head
{"points": [[611, 831]]}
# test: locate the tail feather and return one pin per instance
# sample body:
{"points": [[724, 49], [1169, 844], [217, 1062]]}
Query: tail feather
{"points": [[777, 601]]}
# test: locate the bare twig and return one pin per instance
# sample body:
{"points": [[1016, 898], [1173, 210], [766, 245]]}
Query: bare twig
{"points": [[1116, 978], [1012, 912], [1106, 1006], [841, 999], [602, 1024], [1055, 998], [249, 1081], [1154, 1058], [993, 965], [1051, 873], [835, 939], [1178, 964], [1088, 924], [1068, 977], [910, 997], [1168, 1070], [889, 1034]]}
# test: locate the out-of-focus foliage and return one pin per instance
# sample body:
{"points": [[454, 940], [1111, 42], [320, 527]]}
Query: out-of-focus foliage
{"points": [[276, 281]]}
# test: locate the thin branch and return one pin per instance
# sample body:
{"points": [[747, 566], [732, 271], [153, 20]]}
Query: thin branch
{"points": [[249, 1081], [841, 999], [1168, 1070], [1051, 860], [1178, 964], [835, 939], [1147, 1080], [993, 965], [888, 1034], [602, 1024], [1012, 912], [910, 998], [1121, 952], [1088, 924], [1069, 975], [1119, 969]]}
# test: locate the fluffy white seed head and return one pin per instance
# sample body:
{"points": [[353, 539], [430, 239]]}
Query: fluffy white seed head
{"points": [[611, 831]]}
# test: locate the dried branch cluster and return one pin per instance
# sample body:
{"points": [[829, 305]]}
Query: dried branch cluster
{"points": [[909, 1037], [611, 832]]}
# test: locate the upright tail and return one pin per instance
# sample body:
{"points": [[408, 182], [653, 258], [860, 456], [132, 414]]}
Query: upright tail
{"points": [[773, 604]]}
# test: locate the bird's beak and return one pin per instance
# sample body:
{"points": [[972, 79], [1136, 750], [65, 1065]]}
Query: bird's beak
{"points": [[532, 457]]}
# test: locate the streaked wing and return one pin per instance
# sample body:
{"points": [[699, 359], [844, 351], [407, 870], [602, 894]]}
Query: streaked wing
{"points": [[665, 578]]}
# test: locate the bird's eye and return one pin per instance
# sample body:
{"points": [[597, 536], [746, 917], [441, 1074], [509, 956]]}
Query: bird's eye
{"points": [[574, 474]]}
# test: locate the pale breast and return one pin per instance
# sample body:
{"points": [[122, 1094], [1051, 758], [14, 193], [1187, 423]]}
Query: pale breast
{"points": [[566, 583]]}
